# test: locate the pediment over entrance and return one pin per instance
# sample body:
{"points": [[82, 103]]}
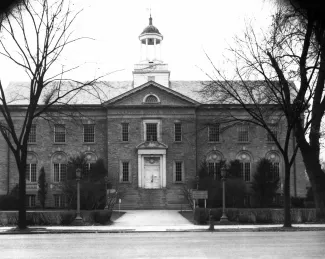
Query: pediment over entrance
{"points": [[152, 145]]}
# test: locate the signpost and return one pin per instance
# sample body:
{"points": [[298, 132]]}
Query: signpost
{"points": [[197, 195]]}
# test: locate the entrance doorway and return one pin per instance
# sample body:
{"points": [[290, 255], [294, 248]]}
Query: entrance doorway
{"points": [[152, 173]]}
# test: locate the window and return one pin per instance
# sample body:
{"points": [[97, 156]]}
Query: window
{"points": [[59, 133], [178, 132], [88, 166], [89, 133], [60, 172], [213, 133], [247, 200], [31, 173], [178, 172], [151, 131], [243, 133], [32, 134], [125, 132], [151, 99], [30, 201], [214, 169], [214, 161], [59, 200], [274, 158], [125, 172], [274, 129], [245, 166]]}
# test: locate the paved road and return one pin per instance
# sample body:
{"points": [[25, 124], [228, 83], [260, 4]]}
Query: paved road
{"points": [[300, 244]]}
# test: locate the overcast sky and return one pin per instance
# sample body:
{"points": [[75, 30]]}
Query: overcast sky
{"points": [[189, 28]]}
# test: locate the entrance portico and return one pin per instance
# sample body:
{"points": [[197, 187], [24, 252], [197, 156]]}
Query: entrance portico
{"points": [[152, 165]]}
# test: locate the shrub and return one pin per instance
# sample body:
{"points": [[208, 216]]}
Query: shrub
{"points": [[67, 217], [102, 216], [8, 202], [42, 187], [297, 202]]}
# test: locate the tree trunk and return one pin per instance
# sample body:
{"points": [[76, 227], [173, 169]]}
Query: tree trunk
{"points": [[317, 179], [287, 200], [22, 224]]}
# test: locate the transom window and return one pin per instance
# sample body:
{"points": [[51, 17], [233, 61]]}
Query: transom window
{"points": [[89, 133], [151, 131], [178, 132], [59, 133], [214, 133], [125, 132], [243, 133], [31, 173], [32, 134], [179, 171], [151, 99]]}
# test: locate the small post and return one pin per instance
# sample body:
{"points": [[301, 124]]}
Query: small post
{"points": [[78, 219], [224, 218], [211, 222]]}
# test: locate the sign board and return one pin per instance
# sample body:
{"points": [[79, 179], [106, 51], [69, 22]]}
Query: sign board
{"points": [[199, 194]]}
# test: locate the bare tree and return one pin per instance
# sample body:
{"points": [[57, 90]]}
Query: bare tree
{"points": [[33, 37], [273, 101], [308, 17]]}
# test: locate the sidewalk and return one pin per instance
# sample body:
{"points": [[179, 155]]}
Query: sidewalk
{"points": [[154, 221]]}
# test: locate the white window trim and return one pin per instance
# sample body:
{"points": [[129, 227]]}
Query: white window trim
{"points": [[145, 98], [174, 171], [65, 133], [83, 134], [175, 132], [158, 122], [121, 171]]}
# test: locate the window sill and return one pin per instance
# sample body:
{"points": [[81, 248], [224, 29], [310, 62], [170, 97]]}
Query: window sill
{"points": [[89, 143], [32, 143], [243, 142], [214, 142], [179, 182], [125, 182], [59, 143]]}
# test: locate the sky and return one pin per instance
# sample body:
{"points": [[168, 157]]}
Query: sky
{"points": [[190, 29]]}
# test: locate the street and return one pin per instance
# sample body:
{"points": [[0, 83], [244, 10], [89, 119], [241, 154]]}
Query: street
{"points": [[298, 244]]}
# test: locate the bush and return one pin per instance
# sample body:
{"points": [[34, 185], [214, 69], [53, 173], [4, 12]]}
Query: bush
{"points": [[102, 216], [67, 217], [8, 202], [297, 202]]}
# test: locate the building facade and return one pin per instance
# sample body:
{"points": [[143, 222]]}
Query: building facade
{"points": [[152, 133]]}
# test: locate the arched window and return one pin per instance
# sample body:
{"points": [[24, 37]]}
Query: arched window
{"points": [[91, 159], [214, 160], [274, 158], [59, 162], [31, 168], [245, 165], [151, 98]]}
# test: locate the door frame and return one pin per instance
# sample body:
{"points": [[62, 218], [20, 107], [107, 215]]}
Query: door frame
{"points": [[154, 153]]}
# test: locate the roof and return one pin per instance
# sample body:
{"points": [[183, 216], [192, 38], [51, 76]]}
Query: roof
{"points": [[108, 91], [150, 28]]}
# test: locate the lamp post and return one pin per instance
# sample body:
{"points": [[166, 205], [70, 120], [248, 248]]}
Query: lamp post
{"points": [[78, 218], [224, 218]]}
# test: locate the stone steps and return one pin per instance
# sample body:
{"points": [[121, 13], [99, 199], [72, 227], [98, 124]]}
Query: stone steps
{"points": [[167, 198]]}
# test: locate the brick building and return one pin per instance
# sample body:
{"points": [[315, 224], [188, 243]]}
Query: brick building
{"points": [[153, 134]]}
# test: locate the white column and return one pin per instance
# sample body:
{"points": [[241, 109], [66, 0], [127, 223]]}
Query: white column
{"points": [[139, 170], [164, 170], [147, 49], [160, 50], [155, 45], [140, 50]]}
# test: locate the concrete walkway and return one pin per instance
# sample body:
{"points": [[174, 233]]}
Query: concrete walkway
{"points": [[152, 218], [153, 221]]}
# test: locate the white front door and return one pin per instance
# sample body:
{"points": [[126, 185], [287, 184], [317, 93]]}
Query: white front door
{"points": [[151, 172]]}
